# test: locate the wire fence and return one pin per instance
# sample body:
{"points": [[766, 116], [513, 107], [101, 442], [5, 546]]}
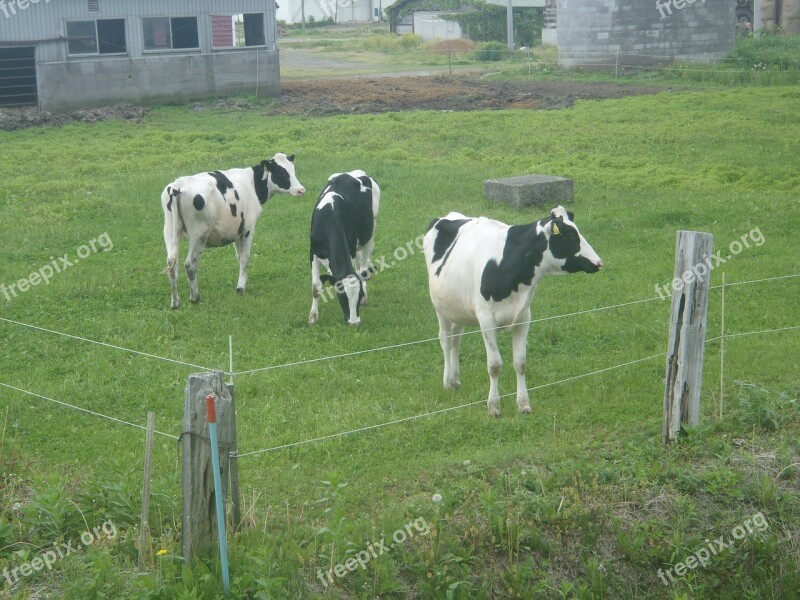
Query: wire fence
{"points": [[109, 346]]}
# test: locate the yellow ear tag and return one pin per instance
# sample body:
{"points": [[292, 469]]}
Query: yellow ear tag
{"points": [[555, 229]]}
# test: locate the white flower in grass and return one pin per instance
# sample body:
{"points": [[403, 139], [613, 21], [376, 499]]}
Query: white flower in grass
{"points": [[437, 498]]}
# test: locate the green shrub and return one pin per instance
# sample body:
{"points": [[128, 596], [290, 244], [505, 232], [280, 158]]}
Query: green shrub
{"points": [[492, 51], [410, 41]]}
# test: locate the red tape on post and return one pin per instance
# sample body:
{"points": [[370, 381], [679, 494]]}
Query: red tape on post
{"points": [[212, 411]]}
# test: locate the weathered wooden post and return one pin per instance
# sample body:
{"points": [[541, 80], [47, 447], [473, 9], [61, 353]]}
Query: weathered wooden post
{"points": [[198, 479], [687, 332]]}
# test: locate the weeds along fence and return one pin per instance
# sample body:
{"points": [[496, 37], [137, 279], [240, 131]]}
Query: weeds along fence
{"points": [[260, 448]]}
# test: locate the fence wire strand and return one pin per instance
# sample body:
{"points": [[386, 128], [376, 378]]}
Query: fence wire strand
{"points": [[85, 410], [435, 339], [444, 410], [107, 345]]}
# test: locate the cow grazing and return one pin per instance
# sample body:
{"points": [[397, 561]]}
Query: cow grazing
{"points": [[219, 208], [484, 272], [342, 239]]}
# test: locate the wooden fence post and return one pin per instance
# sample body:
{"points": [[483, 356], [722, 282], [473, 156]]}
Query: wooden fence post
{"points": [[687, 332], [199, 531]]}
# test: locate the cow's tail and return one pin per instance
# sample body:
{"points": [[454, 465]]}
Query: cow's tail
{"points": [[173, 223]]}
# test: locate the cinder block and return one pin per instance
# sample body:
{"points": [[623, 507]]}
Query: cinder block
{"points": [[544, 191]]}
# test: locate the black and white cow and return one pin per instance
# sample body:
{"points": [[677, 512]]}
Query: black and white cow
{"points": [[485, 272], [342, 239], [219, 208]]}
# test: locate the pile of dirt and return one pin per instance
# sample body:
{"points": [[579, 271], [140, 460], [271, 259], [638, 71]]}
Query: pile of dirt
{"points": [[454, 46], [19, 118]]}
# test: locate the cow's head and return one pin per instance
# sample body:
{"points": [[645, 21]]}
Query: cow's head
{"points": [[279, 174], [567, 244], [350, 292]]}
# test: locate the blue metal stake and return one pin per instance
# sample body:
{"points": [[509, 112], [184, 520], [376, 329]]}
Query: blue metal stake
{"points": [[223, 543]]}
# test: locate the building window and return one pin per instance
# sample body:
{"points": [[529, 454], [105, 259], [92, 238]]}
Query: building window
{"points": [[103, 36], [237, 31], [170, 33]]}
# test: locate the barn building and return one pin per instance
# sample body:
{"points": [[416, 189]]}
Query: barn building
{"points": [[66, 54]]}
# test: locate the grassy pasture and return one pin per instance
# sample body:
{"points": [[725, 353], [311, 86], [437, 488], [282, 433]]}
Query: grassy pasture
{"points": [[575, 500]]}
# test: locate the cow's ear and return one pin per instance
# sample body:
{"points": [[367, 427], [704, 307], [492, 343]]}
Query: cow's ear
{"points": [[291, 157], [571, 216]]}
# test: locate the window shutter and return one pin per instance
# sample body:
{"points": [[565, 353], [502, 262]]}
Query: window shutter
{"points": [[94, 5]]}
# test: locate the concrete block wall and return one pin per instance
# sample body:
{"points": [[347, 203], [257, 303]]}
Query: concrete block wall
{"points": [[597, 33], [69, 85]]}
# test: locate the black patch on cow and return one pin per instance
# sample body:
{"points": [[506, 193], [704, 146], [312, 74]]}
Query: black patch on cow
{"points": [[280, 176], [567, 243], [233, 209], [259, 183], [522, 253], [447, 232], [578, 264], [223, 183], [199, 202], [241, 225], [236, 194], [247, 233]]}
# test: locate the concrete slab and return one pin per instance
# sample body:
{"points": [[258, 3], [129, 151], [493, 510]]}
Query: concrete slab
{"points": [[544, 191]]}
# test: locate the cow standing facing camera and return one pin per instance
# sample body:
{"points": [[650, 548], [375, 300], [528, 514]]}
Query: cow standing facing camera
{"points": [[220, 208], [484, 272], [342, 239]]}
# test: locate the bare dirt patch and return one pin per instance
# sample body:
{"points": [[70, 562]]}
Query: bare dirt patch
{"points": [[19, 118], [367, 95], [385, 94]]}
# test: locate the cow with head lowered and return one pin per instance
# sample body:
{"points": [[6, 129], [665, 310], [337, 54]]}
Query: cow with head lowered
{"points": [[485, 272], [220, 208], [342, 239]]}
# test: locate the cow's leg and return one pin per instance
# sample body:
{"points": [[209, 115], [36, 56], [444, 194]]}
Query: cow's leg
{"points": [[455, 350], [173, 246], [494, 363], [316, 290], [520, 347], [192, 262], [362, 264], [243, 247], [447, 341]]}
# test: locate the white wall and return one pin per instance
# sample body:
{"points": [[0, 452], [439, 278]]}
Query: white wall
{"points": [[429, 26]]}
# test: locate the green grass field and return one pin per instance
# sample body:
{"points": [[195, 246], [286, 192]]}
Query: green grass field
{"points": [[577, 500]]}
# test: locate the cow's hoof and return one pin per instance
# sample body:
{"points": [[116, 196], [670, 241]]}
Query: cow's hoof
{"points": [[240, 291], [494, 412], [356, 324], [312, 318], [364, 301], [175, 306], [452, 385], [525, 410]]}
